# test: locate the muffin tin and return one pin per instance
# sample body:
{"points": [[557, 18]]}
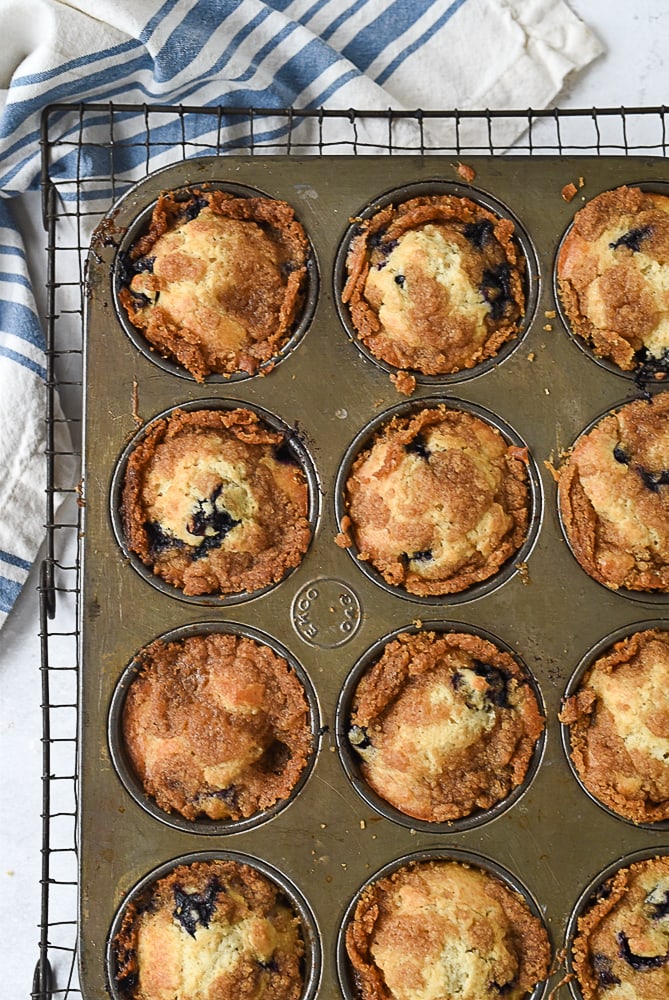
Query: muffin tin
{"points": [[330, 612]]}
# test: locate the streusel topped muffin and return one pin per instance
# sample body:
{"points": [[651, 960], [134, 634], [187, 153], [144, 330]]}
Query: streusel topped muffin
{"points": [[612, 272], [621, 951], [618, 723], [435, 284], [445, 724], [216, 725], [218, 281], [438, 502], [208, 930], [614, 497], [215, 503], [440, 929]]}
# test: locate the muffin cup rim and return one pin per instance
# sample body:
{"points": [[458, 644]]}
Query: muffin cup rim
{"points": [[294, 438], [364, 438], [123, 767], [287, 886], [347, 757], [522, 238], [595, 651]]}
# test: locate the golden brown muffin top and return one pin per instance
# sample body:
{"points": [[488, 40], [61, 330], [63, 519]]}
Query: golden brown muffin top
{"points": [[443, 929], [614, 497], [445, 724], [438, 502], [216, 725], [218, 281], [214, 502], [622, 946], [435, 284], [613, 275], [208, 930], [619, 727]]}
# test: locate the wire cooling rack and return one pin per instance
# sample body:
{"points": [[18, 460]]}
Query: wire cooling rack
{"points": [[91, 154]]}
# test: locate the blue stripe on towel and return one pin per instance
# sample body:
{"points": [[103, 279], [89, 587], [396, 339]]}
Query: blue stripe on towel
{"points": [[9, 591], [12, 560]]}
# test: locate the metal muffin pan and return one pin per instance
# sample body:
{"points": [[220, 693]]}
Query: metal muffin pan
{"points": [[329, 612]]}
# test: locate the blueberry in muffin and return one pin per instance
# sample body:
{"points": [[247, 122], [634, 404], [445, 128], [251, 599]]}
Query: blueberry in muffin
{"points": [[215, 502], [210, 929], [612, 272], [217, 283], [445, 724], [435, 284]]}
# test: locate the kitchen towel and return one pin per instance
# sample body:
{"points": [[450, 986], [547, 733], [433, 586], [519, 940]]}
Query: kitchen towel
{"points": [[365, 54]]}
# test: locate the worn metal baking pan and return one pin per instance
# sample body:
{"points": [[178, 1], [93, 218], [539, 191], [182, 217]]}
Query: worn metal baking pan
{"points": [[329, 612]]}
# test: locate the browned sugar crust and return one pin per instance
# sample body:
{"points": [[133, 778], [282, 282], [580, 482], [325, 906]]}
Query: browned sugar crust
{"points": [[613, 275], [619, 727], [435, 284], [614, 497], [438, 502], [216, 726], [621, 951], [210, 930], [213, 503], [218, 281], [445, 724], [442, 929]]}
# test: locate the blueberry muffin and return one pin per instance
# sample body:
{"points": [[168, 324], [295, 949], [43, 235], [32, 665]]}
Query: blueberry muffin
{"points": [[209, 930], [218, 281], [621, 951], [618, 723], [438, 502], [214, 502], [612, 274], [614, 497], [435, 284], [216, 726], [443, 929], [445, 724]]}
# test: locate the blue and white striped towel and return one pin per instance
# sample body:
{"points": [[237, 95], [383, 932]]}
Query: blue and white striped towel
{"points": [[302, 53]]}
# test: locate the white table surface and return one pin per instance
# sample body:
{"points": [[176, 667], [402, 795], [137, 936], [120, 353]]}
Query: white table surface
{"points": [[629, 74]]}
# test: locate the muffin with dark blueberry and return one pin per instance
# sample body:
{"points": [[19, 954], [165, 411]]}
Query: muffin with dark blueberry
{"points": [[435, 284], [218, 281], [438, 502], [614, 497], [612, 274], [216, 726], [215, 502], [208, 930], [621, 949], [440, 929], [618, 721], [445, 725]]}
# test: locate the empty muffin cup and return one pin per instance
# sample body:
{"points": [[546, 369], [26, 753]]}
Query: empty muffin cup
{"points": [[617, 936], [214, 501], [450, 923], [437, 280], [612, 727], [438, 497], [440, 728], [214, 728], [214, 924], [215, 281]]}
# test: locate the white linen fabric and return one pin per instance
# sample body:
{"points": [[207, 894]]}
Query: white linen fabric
{"points": [[366, 54]]}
